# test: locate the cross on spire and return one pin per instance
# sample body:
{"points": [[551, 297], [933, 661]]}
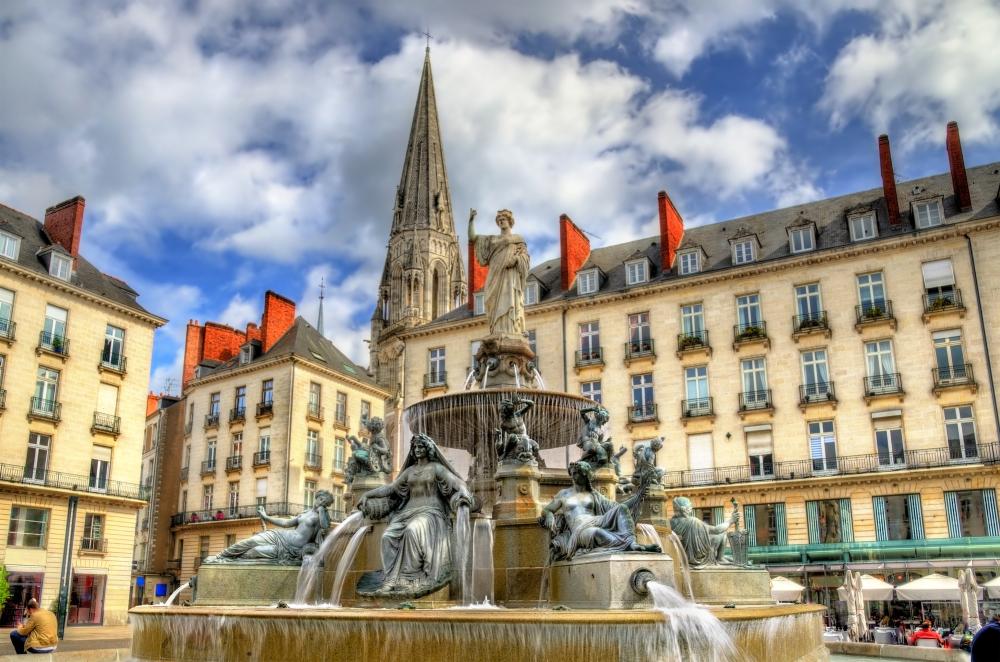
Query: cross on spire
{"points": [[319, 322], [429, 37]]}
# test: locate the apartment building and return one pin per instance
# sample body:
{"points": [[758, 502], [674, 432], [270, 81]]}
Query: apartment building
{"points": [[75, 352], [830, 365], [267, 413]]}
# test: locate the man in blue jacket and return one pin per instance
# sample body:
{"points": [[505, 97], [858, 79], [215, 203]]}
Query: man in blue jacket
{"points": [[986, 643]]}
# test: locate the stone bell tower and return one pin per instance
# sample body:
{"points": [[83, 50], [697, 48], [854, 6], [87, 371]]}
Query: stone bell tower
{"points": [[423, 276]]}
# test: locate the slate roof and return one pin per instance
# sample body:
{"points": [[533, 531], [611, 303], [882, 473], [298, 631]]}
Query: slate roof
{"points": [[35, 240], [770, 228], [302, 340]]}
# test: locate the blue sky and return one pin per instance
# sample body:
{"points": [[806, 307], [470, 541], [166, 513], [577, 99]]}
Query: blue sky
{"points": [[234, 146]]}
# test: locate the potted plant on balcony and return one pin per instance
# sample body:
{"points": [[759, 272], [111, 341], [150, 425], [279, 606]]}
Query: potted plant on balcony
{"points": [[691, 341], [874, 311], [942, 302], [810, 322], [750, 333], [57, 344]]}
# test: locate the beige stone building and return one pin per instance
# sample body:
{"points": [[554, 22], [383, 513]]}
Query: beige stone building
{"points": [[830, 365], [266, 422], [75, 351]]}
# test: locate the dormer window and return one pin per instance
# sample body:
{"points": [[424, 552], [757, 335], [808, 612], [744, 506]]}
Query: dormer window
{"points": [[530, 294], [928, 213], [690, 263], [863, 226], [60, 266], [479, 303], [246, 354], [743, 251], [10, 245], [636, 271], [801, 239], [586, 282]]}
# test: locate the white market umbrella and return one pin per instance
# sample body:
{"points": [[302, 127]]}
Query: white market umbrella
{"points": [[970, 599], [853, 630], [859, 598], [872, 588], [932, 588], [993, 588], [785, 590]]}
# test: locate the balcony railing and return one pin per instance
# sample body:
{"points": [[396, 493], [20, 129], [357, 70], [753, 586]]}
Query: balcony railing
{"points": [[184, 473], [7, 328], [114, 364], [53, 343], [593, 356], [108, 423], [15, 473], [46, 409], [873, 311], [262, 458], [697, 407], [756, 400], [692, 340], [988, 454], [817, 392], [99, 545], [237, 414], [810, 323], [234, 463], [888, 383], [211, 420], [207, 467], [749, 332], [639, 349], [953, 375], [942, 302], [265, 408], [240, 512], [314, 460], [435, 379], [641, 413], [314, 411]]}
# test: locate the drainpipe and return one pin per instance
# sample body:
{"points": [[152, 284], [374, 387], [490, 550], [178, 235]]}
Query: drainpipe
{"points": [[288, 436], [66, 569], [565, 360], [986, 339]]}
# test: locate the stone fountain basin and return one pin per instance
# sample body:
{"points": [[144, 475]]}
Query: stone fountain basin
{"points": [[775, 633]]}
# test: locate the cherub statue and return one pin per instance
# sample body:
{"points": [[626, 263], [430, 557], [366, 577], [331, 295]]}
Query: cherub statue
{"points": [[369, 457], [597, 450], [644, 459], [512, 441]]}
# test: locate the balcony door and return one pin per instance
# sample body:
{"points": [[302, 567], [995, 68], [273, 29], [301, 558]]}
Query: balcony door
{"points": [[881, 365], [46, 390], [37, 461], [696, 388], [808, 302], [590, 341], [949, 355], [55, 325], [754, 383], [748, 312], [815, 374], [701, 459], [822, 446], [871, 292]]}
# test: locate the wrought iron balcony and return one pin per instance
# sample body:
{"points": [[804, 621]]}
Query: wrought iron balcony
{"points": [[889, 383], [816, 393], [749, 332], [590, 357], [810, 323], [248, 511], [15, 473], [692, 341], [212, 420], [113, 363], [435, 379], [756, 400], [950, 376], [237, 414], [48, 410], [265, 408], [234, 463], [642, 413], [874, 312], [697, 407], [107, 423], [314, 461], [96, 545], [207, 467], [314, 411], [53, 344], [943, 302], [262, 458], [7, 328], [639, 349]]}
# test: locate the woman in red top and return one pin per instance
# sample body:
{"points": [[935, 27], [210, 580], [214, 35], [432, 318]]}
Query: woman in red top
{"points": [[925, 632]]}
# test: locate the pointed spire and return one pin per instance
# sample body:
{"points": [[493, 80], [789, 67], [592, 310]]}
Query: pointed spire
{"points": [[319, 322], [423, 198]]}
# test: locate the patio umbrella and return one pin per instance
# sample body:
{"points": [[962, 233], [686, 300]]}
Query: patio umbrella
{"points": [[970, 599], [785, 590], [872, 588], [932, 588], [859, 598], [993, 588], [853, 631]]}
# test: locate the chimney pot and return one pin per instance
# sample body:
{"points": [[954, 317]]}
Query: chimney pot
{"points": [[956, 163], [574, 250], [64, 223], [477, 275], [671, 230], [888, 180]]}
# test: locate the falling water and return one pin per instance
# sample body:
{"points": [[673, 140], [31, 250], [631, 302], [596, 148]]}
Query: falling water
{"points": [[482, 561], [312, 565], [486, 376], [346, 561], [461, 561], [647, 531], [543, 584], [469, 379], [680, 561], [517, 376], [538, 378], [173, 596], [691, 632]]}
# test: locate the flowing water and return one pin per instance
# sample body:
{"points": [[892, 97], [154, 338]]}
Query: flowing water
{"points": [[312, 565], [346, 561], [461, 563], [173, 596], [482, 561], [690, 632], [676, 550]]}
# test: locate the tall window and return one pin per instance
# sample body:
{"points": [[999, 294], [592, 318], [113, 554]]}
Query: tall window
{"points": [[187, 456], [264, 444], [590, 341], [586, 282], [696, 390], [28, 527], [203, 548], [743, 252], [829, 521], [9, 245], [532, 342], [339, 451], [889, 446], [972, 513], [214, 404], [690, 263], [100, 468], [754, 383], [871, 293], [801, 239], [315, 398], [639, 335], [241, 399], [591, 390], [207, 492], [234, 498], [46, 391], [766, 524], [237, 443], [881, 367], [815, 375], [366, 411], [37, 461], [436, 371], [748, 314], [54, 329], [808, 303], [693, 320], [312, 443], [822, 446], [642, 396], [114, 347], [310, 493], [210, 451], [960, 430], [949, 355], [267, 391], [341, 413], [863, 227], [93, 531], [939, 283], [636, 272], [260, 492], [928, 214], [760, 450], [700, 457], [6, 312]]}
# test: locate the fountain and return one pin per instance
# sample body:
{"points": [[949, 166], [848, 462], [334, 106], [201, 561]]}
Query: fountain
{"points": [[461, 558]]}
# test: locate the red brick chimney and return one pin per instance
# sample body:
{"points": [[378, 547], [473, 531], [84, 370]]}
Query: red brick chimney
{"points": [[152, 403], [888, 180], [279, 315], [956, 162], [64, 223], [193, 342], [477, 275], [220, 342], [574, 249], [671, 230], [253, 331]]}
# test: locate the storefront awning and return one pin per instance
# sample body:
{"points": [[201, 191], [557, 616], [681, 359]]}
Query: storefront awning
{"points": [[785, 590], [933, 587]]}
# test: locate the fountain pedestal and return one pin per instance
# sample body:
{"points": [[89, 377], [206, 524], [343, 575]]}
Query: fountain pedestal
{"points": [[653, 509], [609, 581], [518, 496], [606, 481], [722, 585], [245, 584], [503, 362]]}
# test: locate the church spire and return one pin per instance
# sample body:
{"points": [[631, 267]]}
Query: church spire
{"points": [[319, 321]]}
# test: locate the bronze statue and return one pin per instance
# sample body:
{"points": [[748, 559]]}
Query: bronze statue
{"points": [[597, 449], [370, 457], [644, 460], [417, 544], [583, 520], [703, 543], [299, 536], [512, 441], [506, 255]]}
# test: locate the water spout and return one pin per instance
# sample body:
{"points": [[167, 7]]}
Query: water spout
{"points": [[690, 632], [539, 382], [470, 379], [482, 561], [312, 565], [680, 562], [461, 562], [346, 561], [517, 376], [173, 596]]}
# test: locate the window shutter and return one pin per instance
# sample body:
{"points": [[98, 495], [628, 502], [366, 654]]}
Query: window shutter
{"points": [[700, 451], [881, 523], [951, 510], [846, 521], [717, 515], [938, 273], [759, 443], [751, 524], [812, 521], [779, 516], [990, 510], [916, 516]]}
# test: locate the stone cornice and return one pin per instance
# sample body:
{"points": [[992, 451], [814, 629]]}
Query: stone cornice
{"points": [[779, 264]]}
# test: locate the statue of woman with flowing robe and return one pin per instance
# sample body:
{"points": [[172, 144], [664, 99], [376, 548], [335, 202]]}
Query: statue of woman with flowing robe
{"points": [[506, 256], [417, 544]]}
